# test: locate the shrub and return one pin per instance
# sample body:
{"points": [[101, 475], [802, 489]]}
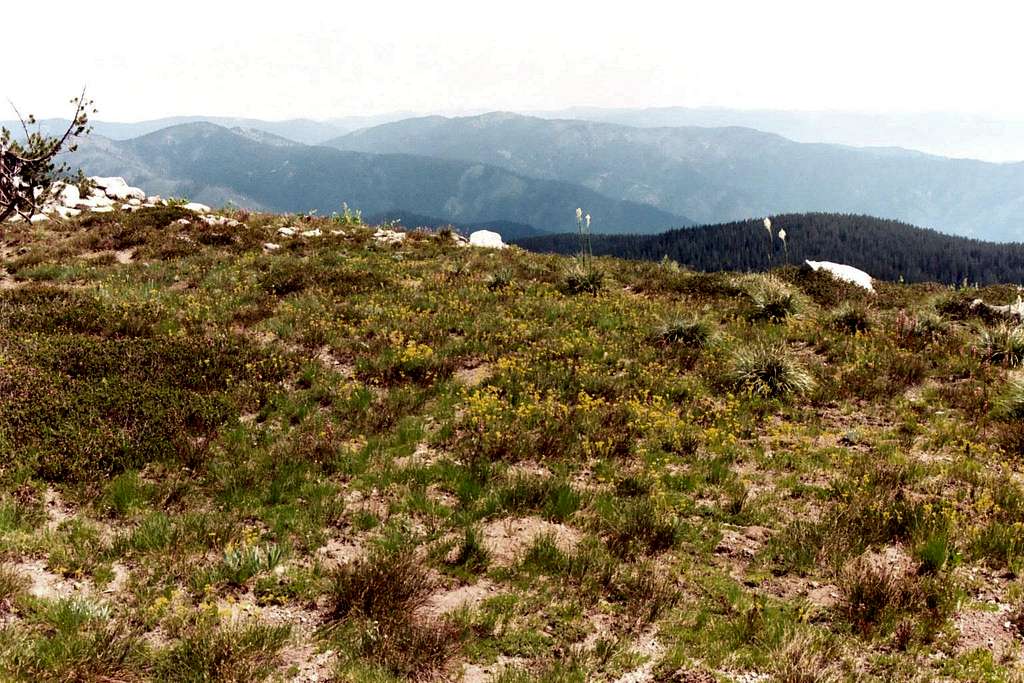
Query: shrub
{"points": [[916, 331], [1003, 344], [851, 318], [496, 282], [285, 276], [12, 584], [772, 300], [583, 280], [1012, 402], [473, 556], [689, 332], [821, 286], [383, 587], [374, 600], [805, 659], [769, 371], [640, 526], [874, 594], [207, 651]]}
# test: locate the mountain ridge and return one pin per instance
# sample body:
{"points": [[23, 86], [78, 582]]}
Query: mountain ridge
{"points": [[720, 174], [214, 165]]}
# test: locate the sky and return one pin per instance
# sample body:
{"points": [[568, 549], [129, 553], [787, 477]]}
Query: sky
{"points": [[142, 60]]}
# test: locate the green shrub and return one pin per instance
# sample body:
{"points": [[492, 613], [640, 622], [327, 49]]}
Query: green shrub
{"points": [[583, 280], [1012, 402], [691, 333], [1003, 344], [234, 653], [769, 371], [772, 300], [851, 319], [640, 526]]}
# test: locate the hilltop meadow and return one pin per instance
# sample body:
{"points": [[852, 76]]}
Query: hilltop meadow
{"points": [[338, 459]]}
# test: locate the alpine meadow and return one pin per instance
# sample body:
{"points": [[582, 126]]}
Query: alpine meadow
{"points": [[393, 342]]}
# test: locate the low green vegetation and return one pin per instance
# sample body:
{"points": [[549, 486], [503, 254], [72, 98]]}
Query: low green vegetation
{"points": [[341, 459]]}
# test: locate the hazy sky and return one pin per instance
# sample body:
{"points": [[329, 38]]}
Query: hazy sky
{"points": [[320, 60]]}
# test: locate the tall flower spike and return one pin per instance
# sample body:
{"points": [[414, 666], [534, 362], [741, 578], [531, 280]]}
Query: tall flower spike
{"points": [[588, 220], [768, 224], [579, 214], [782, 234]]}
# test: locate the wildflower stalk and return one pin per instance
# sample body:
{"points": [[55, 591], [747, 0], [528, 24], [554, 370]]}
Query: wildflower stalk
{"points": [[771, 240], [586, 250]]}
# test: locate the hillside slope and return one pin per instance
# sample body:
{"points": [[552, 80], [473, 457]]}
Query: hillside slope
{"points": [[215, 165], [886, 249], [719, 174], [235, 455]]}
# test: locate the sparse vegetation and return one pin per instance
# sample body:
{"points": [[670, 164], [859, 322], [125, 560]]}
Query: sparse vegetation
{"points": [[382, 462]]}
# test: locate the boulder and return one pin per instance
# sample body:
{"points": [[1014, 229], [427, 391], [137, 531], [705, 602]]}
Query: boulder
{"points": [[69, 195], [66, 211], [1014, 309], [486, 239], [844, 272], [315, 232], [196, 207], [94, 203], [286, 232], [103, 182], [386, 236]]}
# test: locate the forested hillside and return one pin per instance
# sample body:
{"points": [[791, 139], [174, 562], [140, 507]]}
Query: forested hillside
{"points": [[887, 249]]}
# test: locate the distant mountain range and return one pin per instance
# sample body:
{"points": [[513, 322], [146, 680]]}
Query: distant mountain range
{"points": [[215, 165], [531, 172], [306, 131], [886, 249], [965, 136], [720, 174]]}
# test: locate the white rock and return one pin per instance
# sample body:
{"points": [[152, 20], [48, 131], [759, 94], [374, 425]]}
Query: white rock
{"points": [[270, 246], [94, 202], [155, 199], [182, 221], [315, 232], [336, 233], [69, 195], [1016, 309], [103, 182], [196, 207], [134, 201], [39, 218], [220, 221], [124, 192], [287, 232], [385, 236], [66, 211], [487, 239], [102, 209], [844, 272]]}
